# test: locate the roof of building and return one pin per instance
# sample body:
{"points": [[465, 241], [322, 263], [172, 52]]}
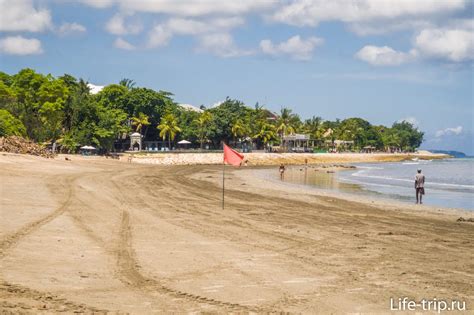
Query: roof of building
{"points": [[296, 136], [191, 107], [94, 89]]}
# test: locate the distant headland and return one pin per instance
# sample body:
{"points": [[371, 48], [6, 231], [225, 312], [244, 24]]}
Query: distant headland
{"points": [[456, 154]]}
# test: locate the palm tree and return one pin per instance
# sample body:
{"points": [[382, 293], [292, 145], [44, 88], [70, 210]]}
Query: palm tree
{"points": [[266, 132], [259, 111], [168, 127], [203, 122], [286, 123], [83, 87], [391, 140], [128, 83], [140, 121], [239, 129], [313, 126]]}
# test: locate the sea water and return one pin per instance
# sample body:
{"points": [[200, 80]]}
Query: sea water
{"points": [[449, 183]]}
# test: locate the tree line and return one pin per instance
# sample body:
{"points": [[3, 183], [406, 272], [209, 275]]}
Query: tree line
{"points": [[62, 110]]}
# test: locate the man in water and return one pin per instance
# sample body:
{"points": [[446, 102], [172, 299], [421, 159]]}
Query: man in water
{"points": [[419, 186], [282, 171]]}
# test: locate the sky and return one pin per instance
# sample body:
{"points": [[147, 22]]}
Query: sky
{"points": [[381, 60]]}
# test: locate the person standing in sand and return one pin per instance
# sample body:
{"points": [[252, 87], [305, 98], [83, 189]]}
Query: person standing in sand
{"points": [[419, 186], [282, 171]]}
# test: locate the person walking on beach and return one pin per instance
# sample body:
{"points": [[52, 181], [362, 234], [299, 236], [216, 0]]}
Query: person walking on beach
{"points": [[419, 186], [282, 171]]}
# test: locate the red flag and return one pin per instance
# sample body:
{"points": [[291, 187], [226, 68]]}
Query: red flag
{"points": [[231, 156]]}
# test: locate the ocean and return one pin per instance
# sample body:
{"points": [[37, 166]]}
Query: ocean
{"points": [[449, 183]]}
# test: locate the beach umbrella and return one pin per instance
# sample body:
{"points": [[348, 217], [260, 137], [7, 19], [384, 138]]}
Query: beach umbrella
{"points": [[87, 147], [184, 142]]}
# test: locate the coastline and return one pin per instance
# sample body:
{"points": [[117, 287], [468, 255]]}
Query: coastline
{"points": [[91, 235], [253, 179], [261, 159]]}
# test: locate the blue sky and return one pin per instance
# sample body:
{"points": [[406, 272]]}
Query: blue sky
{"points": [[382, 60]]}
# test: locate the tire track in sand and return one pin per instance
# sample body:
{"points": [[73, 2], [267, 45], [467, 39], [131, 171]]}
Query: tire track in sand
{"points": [[129, 273], [38, 301], [180, 181], [12, 239], [43, 301]]}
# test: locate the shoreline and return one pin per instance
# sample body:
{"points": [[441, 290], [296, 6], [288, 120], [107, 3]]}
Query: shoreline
{"points": [[253, 159], [248, 180], [326, 163], [370, 199], [262, 159]]}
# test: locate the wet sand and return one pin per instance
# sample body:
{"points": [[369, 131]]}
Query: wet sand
{"points": [[96, 235]]}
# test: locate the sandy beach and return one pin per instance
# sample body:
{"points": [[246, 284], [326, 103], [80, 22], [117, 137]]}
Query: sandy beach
{"points": [[96, 235]]}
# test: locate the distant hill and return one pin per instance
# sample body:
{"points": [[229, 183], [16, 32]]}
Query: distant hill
{"points": [[456, 154]]}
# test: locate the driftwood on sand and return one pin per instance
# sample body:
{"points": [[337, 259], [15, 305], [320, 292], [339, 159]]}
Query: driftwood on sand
{"points": [[14, 144]]}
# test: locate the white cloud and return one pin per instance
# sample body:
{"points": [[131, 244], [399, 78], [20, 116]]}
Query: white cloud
{"points": [[449, 132], [98, 3], [21, 15], [186, 26], [221, 45], [212, 34], [295, 47], [412, 120], [193, 27], [312, 12], [212, 20], [384, 56], [186, 8], [162, 33], [118, 26], [196, 7], [158, 36], [70, 28], [376, 27], [123, 44], [450, 41], [208, 20], [453, 44], [18, 45]]}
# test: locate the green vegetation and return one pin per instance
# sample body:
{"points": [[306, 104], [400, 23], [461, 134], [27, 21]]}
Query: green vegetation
{"points": [[168, 128], [62, 110], [10, 125], [140, 121]]}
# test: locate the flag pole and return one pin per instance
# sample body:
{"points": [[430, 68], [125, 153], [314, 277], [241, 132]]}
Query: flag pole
{"points": [[223, 183], [231, 157]]}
